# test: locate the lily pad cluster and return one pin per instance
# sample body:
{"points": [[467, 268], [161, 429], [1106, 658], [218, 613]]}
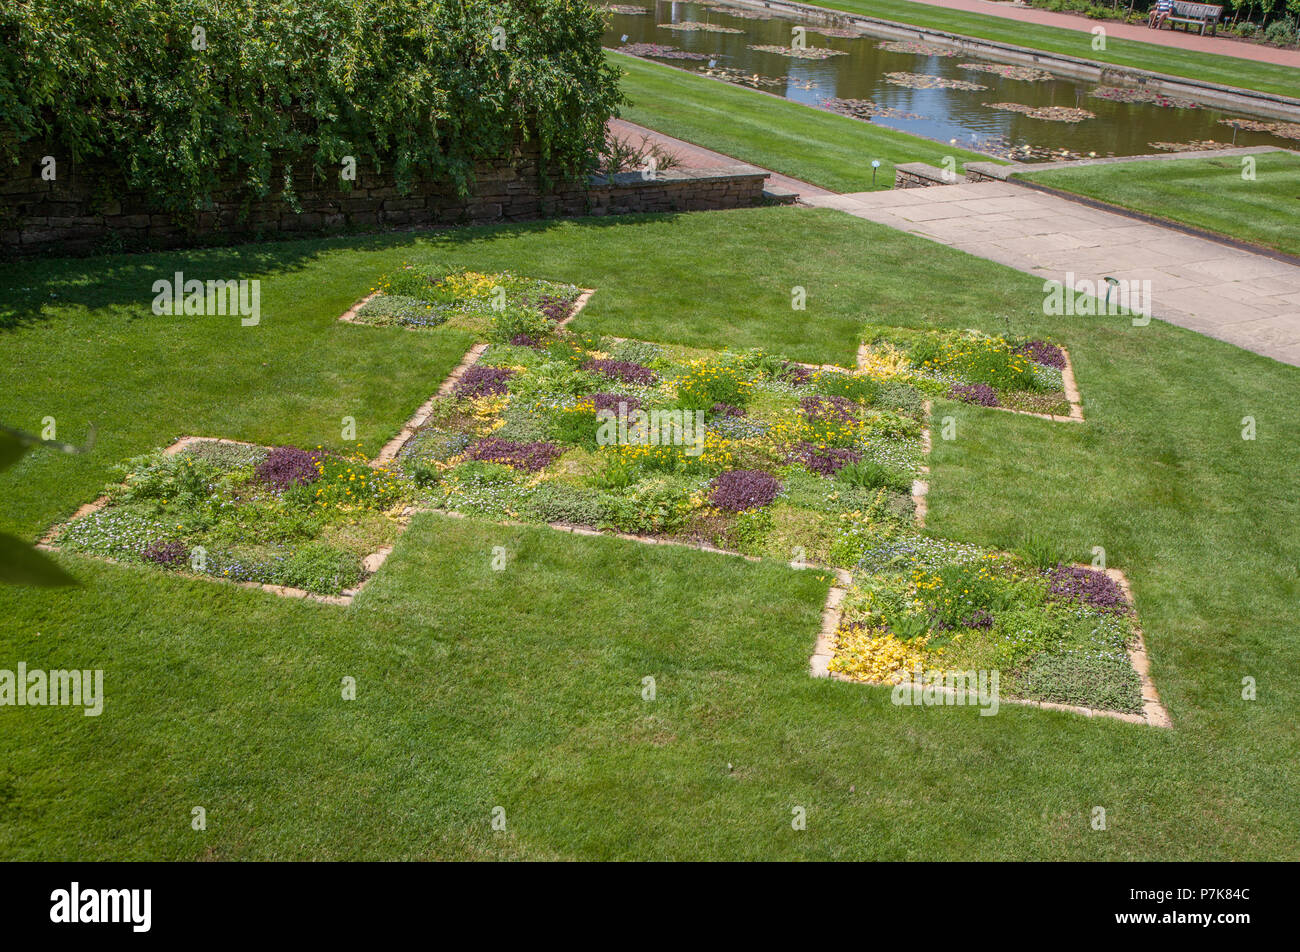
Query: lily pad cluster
{"points": [[1027, 74], [1148, 96], [927, 81], [1049, 113], [805, 52], [865, 109]]}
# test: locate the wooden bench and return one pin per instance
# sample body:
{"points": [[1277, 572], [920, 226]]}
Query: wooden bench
{"points": [[1206, 14]]}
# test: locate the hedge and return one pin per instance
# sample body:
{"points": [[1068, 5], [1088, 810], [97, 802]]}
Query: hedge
{"points": [[186, 95]]}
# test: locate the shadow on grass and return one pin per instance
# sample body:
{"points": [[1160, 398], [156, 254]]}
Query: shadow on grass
{"points": [[30, 287]]}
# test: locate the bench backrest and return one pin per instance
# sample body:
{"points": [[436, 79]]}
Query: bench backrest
{"points": [[1207, 10]]}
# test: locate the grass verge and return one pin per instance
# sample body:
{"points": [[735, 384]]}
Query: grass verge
{"points": [[1206, 193]]}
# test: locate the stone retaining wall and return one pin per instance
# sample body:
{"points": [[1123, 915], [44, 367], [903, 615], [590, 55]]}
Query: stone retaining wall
{"points": [[86, 209]]}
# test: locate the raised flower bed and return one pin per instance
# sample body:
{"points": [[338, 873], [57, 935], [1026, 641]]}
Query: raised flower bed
{"points": [[743, 451], [1021, 374], [302, 522], [500, 304]]}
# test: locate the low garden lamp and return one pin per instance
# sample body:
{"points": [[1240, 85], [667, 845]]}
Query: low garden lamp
{"points": [[875, 164], [1110, 283]]}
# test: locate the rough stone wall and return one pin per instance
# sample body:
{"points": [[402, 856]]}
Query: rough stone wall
{"points": [[86, 209]]}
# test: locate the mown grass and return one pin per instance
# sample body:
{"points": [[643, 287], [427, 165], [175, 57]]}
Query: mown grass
{"points": [[1205, 193], [809, 144], [1207, 67], [523, 688]]}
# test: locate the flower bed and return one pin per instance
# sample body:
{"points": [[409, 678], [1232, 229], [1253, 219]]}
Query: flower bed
{"points": [[499, 305], [743, 451], [280, 516], [921, 605], [1022, 374]]}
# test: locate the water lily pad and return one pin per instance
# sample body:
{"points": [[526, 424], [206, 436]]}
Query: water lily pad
{"points": [[626, 9], [693, 26], [1050, 113], [926, 81], [1285, 130], [740, 77], [1149, 96], [660, 51], [807, 52], [1027, 74], [865, 109], [919, 49], [1196, 145]]}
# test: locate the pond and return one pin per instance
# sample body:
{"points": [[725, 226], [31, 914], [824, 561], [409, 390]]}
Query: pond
{"points": [[991, 107]]}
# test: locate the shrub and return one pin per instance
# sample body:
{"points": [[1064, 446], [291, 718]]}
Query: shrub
{"points": [[1280, 32], [287, 466], [410, 86], [482, 381], [740, 489]]}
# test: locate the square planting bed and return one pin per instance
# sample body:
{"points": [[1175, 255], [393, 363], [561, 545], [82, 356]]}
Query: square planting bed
{"points": [[499, 306], [818, 466], [1021, 375], [310, 524]]}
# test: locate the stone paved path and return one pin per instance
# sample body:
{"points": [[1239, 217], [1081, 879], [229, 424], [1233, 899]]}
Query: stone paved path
{"points": [[1115, 29], [697, 157], [1247, 299]]}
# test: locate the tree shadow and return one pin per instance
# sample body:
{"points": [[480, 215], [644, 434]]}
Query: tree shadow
{"points": [[31, 288]]}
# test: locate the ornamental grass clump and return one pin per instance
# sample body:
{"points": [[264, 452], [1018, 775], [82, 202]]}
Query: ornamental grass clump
{"points": [[740, 489], [529, 457], [624, 370], [287, 466], [481, 381]]}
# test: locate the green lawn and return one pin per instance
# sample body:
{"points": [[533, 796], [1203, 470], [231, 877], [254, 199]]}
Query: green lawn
{"points": [[1204, 193], [1207, 67], [522, 688], [800, 141]]}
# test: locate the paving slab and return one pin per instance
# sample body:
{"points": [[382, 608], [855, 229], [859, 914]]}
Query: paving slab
{"points": [[1247, 299]]}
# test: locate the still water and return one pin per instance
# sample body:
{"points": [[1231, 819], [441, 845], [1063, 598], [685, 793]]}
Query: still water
{"points": [[951, 110]]}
